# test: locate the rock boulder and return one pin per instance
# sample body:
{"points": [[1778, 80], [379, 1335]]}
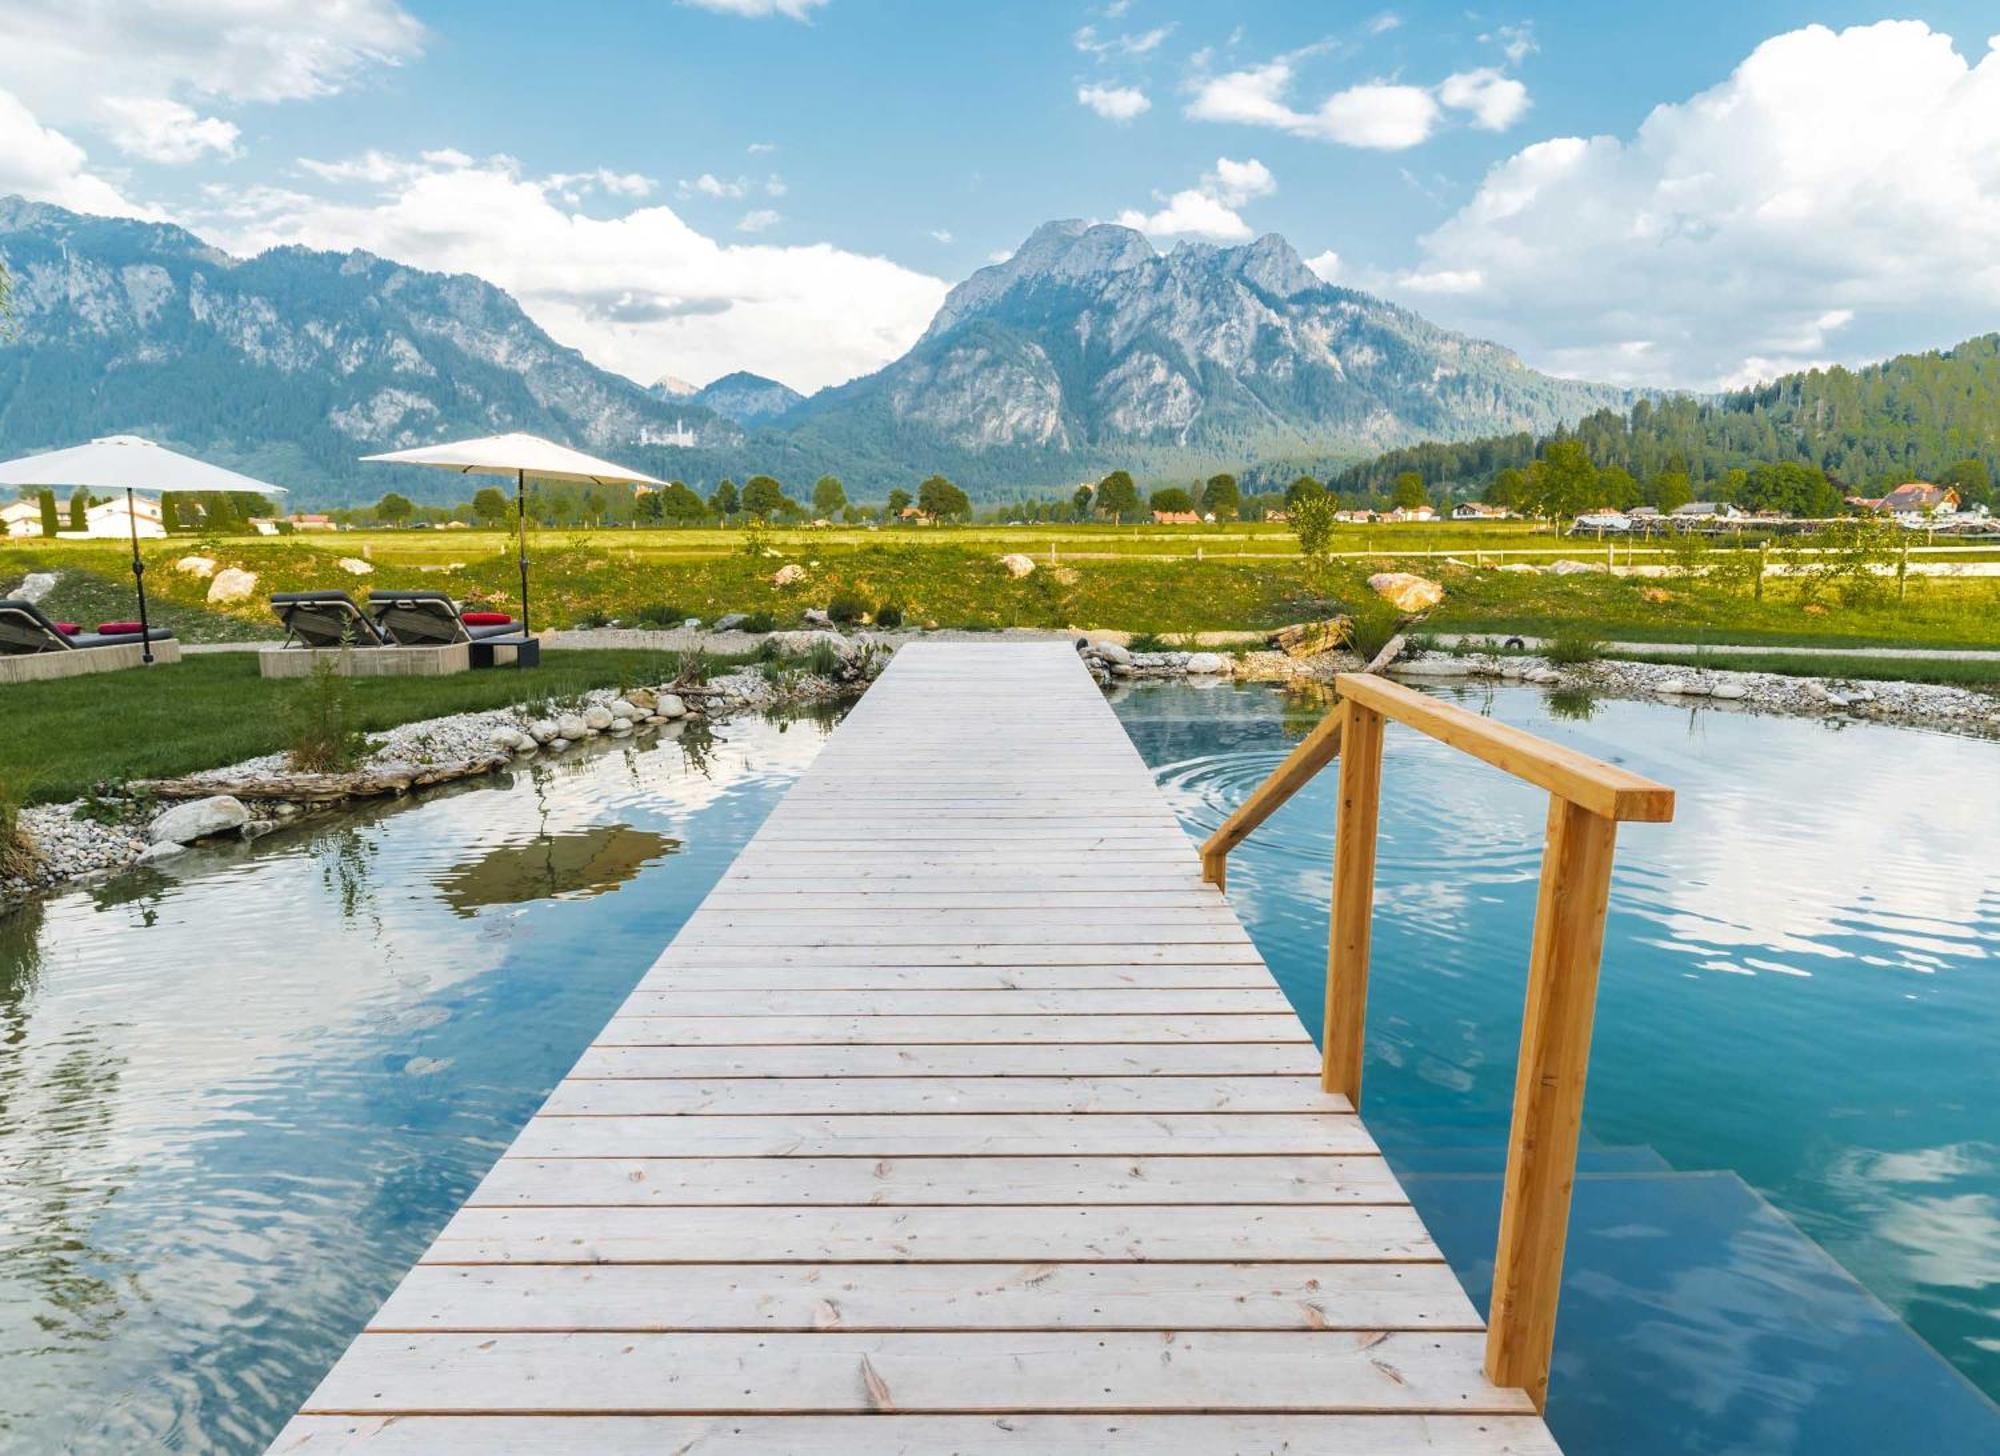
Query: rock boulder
{"points": [[1406, 592], [232, 584], [199, 819]]}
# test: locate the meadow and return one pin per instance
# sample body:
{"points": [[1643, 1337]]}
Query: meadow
{"points": [[1167, 582]]}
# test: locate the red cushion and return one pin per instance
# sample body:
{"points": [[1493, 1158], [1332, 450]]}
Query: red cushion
{"points": [[68, 629], [484, 619], [114, 629]]}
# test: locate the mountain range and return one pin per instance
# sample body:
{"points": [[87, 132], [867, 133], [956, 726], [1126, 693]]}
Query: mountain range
{"points": [[1084, 351]]}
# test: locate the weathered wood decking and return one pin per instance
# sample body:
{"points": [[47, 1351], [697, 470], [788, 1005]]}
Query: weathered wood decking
{"points": [[961, 1118]]}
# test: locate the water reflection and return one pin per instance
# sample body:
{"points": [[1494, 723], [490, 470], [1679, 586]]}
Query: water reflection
{"points": [[554, 866], [240, 1091]]}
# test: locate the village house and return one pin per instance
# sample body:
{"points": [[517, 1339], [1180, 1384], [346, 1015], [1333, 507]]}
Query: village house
{"points": [[1176, 518], [1479, 511], [22, 518], [115, 520], [1410, 513], [1706, 511], [312, 523], [1916, 501]]}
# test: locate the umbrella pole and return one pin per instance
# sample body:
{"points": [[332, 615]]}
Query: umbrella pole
{"points": [[139, 580], [521, 503]]}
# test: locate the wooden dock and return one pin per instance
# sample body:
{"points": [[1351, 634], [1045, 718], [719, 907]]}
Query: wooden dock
{"points": [[962, 1117]]}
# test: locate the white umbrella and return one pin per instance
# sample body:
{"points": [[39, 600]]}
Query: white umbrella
{"points": [[137, 467], [520, 456]]}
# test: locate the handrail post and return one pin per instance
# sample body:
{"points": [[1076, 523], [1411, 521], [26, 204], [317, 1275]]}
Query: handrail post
{"points": [[1353, 899], [1548, 1096]]}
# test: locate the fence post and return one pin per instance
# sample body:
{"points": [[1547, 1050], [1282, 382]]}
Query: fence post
{"points": [[1548, 1096], [1353, 899]]}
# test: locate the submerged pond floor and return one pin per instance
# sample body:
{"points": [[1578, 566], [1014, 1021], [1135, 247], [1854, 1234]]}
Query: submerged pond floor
{"points": [[240, 1092]]}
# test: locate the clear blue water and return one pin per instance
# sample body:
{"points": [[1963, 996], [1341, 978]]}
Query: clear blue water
{"points": [[239, 1097], [1801, 988]]}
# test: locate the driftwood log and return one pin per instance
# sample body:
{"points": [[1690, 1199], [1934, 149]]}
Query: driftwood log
{"points": [[1391, 650], [328, 788]]}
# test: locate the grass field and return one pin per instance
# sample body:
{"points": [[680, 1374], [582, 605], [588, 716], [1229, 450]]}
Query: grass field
{"points": [[213, 708], [1166, 581]]}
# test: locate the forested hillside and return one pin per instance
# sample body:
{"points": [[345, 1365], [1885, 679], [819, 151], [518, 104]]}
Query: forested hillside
{"points": [[1932, 416]]}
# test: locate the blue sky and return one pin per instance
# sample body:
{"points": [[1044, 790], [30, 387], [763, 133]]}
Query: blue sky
{"points": [[790, 185]]}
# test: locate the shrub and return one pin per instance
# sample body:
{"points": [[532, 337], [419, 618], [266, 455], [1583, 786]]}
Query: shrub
{"points": [[593, 618], [1573, 646], [322, 723], [693, 670], [1371, 623], [824, 660], [1147, 642], [846, 608], [758, 622], [661, 614], [888, 615]]}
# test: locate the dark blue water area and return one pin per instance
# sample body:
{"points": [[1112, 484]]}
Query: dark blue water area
{"points": [[240, 1095], [1786, 1230]]}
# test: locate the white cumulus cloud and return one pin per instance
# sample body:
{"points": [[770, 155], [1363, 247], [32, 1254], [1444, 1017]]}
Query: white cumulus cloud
{"points": [[1496, 101], [1379, 115], [160, 130], [43, 165], [1208, 210], [758, 219], [641, 292], [1837, 196], [1114, 103]]}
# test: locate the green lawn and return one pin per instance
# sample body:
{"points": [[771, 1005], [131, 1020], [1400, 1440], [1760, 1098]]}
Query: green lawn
{"points": [[1139, 579], [213, 709]]}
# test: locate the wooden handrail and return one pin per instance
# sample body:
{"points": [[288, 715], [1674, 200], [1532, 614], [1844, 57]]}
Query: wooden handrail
{"points": [[1315, 752], [1587, 800], [1590, 783]]}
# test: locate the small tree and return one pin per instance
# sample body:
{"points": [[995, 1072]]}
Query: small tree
{"points": [[79, 510], [722, 501], [1312, 520], [490, 506], [1117, 496], [649, 509], [394, 509], [1303, 489], [1409, 491], [678, 503], [763, 497], [900, 500], [1221, 498], [829, 496], [51, 517], [1171, 500], [939, 499], [1079, 503], [1670, 491]]}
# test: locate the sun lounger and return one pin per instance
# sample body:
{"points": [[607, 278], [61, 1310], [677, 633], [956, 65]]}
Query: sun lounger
{"points": [[326, 619], [25, 629], [433, 619], [34, 649]]}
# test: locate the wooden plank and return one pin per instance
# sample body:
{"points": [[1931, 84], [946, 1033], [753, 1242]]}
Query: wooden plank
{"points": [[962, 955], [1242, 1179], [953, 1134], [1603, 788], [884, 1297], [830, 1096], [1082, 1233], [954, 978], [625, 1030], [918, 1435], [658, 1000], [1050, 1059], [1328, 1370]]}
